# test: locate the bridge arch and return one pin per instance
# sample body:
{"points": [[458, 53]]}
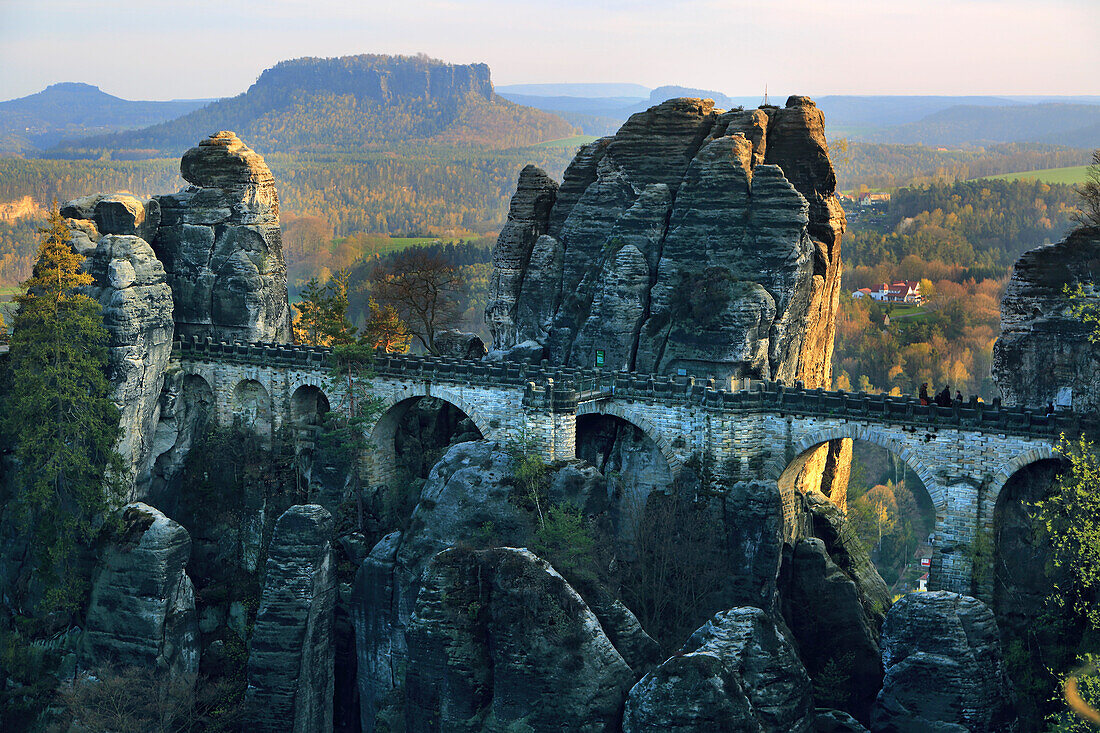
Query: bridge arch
{"points": [[635, 415], [393, 409], [805, 449], [1015, 465], [308, 407], [252, 406], [778, 465]]}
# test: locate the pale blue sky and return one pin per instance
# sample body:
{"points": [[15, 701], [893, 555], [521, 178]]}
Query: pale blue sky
{"points": [[161, 49]]}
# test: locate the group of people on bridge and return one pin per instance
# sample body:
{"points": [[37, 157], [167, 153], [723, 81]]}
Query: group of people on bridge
{"points": [[942, 398]]}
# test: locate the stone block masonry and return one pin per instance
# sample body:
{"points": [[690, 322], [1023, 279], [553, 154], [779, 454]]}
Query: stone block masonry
{"points": [[763, 431]]}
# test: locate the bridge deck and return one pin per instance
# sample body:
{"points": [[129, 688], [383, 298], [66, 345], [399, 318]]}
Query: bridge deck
{"points": [[565, 387]]}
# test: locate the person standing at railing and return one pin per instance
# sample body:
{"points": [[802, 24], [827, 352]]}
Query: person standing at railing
{"points": [[924, 394]]}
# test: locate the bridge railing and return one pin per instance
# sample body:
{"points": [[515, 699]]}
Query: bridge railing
{"points": [[562, 389]]}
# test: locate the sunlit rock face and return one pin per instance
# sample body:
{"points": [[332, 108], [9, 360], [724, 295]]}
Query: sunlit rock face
{"points": [[693, 239], [220, 243]]}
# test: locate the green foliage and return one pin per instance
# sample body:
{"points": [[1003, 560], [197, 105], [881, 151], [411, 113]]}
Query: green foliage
{"points": [[832, 685], [531, 475], [986, 223], [322, 314], [889, 165], [1084, 307], [64, 424], [1070, 521], [565, 539]]}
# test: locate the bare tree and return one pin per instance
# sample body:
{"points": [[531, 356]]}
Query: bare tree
{"points": [[425, 289], [1089, 191]]}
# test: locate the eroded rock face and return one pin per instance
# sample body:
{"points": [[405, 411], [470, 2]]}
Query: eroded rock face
{"points": [[738, 672], [142, 607], [944, 669], [691, 239], [1043, 354], [131, 286], [469, 499], [221, 245], [290, 662], [499, 635], [836, 637]]}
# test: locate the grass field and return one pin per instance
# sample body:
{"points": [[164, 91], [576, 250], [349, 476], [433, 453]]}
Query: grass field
{"points": [[1076, 174], [7, 291], [568, 142]]}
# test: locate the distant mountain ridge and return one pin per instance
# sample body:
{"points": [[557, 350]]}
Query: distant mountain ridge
{"points": [[74, 109], [365, 102]]}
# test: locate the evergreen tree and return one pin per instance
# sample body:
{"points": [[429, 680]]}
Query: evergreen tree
{"points": [[64, 424], [385, 330], [322, 316]]}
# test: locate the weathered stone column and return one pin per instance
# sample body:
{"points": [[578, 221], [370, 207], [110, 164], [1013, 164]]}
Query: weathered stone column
{"points": [[290, 664]]}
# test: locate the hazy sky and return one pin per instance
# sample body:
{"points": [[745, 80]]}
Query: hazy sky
{"points": [[162, 49]]}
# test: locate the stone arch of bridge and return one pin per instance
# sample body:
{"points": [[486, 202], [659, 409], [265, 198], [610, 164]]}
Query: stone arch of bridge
{"points": [[391, 410], [1016, 464], [634, 414], [252, 406], [784, 472], [308, 406]]}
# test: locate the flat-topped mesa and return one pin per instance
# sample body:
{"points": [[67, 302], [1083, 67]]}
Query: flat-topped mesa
{"points": [[692, 241], [222, 247]]}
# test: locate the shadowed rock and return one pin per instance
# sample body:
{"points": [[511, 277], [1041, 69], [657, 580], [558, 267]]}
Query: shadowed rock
{"points": [[290, 661], [499, 635], [739, 672], [944, 669], [142, 607]]}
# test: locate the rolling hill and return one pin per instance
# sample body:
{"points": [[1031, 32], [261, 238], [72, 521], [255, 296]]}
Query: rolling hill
{"points": [[73, 110], [348, 104]]}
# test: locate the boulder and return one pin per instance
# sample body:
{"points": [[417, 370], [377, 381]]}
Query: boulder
{"points": [[130, 284], [836, 721], [142, 607], [1043, 354], [499, 640], [222, 247], [944, 669], [459, 344], [738, 672], [291, 656]]}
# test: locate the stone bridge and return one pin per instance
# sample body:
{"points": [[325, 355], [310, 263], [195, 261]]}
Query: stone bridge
{"points": [[750, 430]]}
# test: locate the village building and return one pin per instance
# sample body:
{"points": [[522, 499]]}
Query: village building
{"points": [[902, 291]]}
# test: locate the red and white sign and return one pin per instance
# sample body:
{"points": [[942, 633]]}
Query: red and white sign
{"points": [[926, 562]]}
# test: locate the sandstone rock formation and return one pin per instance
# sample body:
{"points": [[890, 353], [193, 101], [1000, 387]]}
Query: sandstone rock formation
{"points": [[131, 287], [1043, 354], [205, 261], [290, 662], [691, 239], [220, 242], [836, 636], [142, 607], [739, 672], [498, 635], [944, 669], [469, 499]]}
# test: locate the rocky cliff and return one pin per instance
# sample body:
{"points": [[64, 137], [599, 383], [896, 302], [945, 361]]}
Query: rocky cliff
{"points": [[222, 247], [205, 261], [692, 239], [1044, 353]]}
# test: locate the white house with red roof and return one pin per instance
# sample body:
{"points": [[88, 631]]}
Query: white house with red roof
{"points": [[902, 291]]}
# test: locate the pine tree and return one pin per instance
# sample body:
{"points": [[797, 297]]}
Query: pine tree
{"points": [[385, 330], [64, 424], [322, 316]]}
